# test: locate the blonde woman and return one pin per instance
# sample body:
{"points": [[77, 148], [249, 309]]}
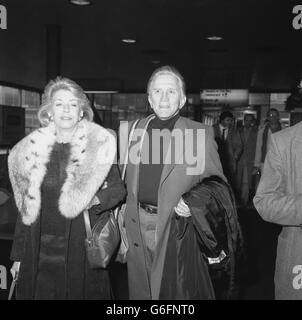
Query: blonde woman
{"points": [[56, 172]]}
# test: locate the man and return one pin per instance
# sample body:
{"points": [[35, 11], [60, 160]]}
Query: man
{"points": [[159, 172], [229, 146], [248, 134], [264, 135], [279, 200]]}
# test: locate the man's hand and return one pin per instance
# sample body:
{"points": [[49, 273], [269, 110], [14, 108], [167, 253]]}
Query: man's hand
{"points": [[182, 209]]}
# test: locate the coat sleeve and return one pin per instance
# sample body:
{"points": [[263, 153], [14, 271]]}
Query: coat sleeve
{"points": [[271, 199], [115, 192], [18, 247], [212, 160], [257, 162]]}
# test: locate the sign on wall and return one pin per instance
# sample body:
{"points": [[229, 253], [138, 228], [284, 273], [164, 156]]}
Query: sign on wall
{"points": [[224, 97]]}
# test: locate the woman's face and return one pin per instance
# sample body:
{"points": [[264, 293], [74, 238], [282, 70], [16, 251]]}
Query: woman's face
{"points": [[66, 110]]}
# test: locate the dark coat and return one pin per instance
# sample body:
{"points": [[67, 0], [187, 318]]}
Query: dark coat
{"points": [[82, 281], [229, 152], [248, 156], [213, 227]]}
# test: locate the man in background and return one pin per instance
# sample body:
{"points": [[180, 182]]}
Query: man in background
{"points": [[229, 146], [272, 125], [248, 135]]}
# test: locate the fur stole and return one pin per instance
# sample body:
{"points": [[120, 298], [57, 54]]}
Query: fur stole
{"points": [[93, 151]]}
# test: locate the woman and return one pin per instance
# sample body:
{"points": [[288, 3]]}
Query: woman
{"points": [[56, 172]]}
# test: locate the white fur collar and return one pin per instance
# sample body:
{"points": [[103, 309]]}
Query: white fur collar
{"points": [[93, 151]]}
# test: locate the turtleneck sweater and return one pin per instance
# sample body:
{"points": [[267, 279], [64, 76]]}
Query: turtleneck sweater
{"points": [[150, 172]]}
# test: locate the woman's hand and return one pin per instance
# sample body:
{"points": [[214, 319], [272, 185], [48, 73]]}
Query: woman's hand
{"points": [[15, 269], [94, 202]]}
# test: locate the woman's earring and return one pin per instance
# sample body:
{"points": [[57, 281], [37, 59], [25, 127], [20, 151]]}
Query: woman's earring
{"points": [[50, 117]]}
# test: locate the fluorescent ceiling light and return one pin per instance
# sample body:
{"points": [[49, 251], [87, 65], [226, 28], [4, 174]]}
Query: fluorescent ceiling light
{"points": [[214, 38], [129, 40], [155, 61], [81, 2], [104, 91]]}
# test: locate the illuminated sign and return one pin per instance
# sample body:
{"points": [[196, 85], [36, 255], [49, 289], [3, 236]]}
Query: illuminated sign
{"points": [[224, 97]]}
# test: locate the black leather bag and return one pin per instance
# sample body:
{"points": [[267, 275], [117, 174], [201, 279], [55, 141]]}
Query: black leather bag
{"points": [[102, 240]]}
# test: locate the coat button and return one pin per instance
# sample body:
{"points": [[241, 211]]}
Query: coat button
{"points": [[136, 244], [133, 220]]}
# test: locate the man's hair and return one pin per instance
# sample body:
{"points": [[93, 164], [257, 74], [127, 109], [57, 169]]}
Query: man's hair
{"points": [[225, 114], [167, 70]]}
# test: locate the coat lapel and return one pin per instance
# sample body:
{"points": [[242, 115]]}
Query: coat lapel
{"points": [[134, 168], [163, 227]]}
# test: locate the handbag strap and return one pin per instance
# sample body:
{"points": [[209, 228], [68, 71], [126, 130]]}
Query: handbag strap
{"points": [[85, 212], [87, 224], [116, 210], [127, 150]]}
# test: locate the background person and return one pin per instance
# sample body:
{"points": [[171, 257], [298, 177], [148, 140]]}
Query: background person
{"points": [[229, 146], [272, 125], [248, 134]]}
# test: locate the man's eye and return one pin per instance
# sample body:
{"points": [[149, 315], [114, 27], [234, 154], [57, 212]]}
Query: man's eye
{"points": [[74, 105], [58, 104]]}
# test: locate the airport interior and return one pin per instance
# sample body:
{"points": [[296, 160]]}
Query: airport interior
{"points": [[242, 56]]}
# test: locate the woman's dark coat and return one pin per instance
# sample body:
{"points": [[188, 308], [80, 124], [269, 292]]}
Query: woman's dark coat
{"points": [[82, 281]]}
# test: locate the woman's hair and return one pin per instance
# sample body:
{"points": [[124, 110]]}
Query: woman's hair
{"points": [[167, 70], [63, 84]]}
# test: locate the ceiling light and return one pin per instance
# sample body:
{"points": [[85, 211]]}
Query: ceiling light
{"points": [[101, 91], [81, 2], [214, 38], [155, 61], [129, 40]]}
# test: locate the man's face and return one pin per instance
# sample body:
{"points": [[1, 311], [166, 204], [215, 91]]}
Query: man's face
{"points": [[249, 121], [165, 96], [227, 122], [273, 117]]}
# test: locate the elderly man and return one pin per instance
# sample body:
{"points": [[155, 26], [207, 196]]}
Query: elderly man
{"points": [[168, 155]]}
